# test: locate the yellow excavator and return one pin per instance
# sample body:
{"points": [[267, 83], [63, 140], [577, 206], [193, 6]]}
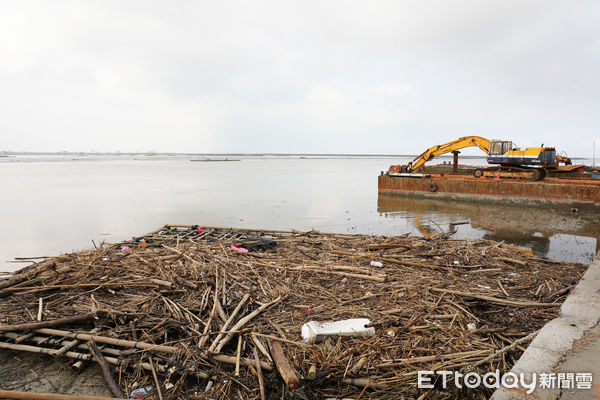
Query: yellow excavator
{"points": [[531, 163]]}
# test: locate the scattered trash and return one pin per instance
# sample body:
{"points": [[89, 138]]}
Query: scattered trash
{"points": [[125, 248], [141, 392], [313, 331], [376, 264], [240, 249], [105, 259], [471, 326], [253, 244], [455, 262], [312, 372], [309, 310], [168, 385], [209, 385]]}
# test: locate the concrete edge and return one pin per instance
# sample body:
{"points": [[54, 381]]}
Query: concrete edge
{"points": [[579, 312]]}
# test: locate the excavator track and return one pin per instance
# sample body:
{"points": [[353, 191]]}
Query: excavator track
{"points": [[529, 174]]}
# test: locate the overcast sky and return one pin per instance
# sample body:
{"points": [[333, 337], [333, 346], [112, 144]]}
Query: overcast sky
{"points": [[391, 77]]}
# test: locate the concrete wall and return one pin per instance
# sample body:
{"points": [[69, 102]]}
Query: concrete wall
{"points": [[561, 341]]}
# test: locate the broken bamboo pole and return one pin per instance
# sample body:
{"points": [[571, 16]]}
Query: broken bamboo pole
{"points": [[105, 369], [117, 342], [261, 379], [43, 324], [283, 364], [14, 394], [518, 303]]}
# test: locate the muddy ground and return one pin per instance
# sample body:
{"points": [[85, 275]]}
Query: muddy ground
{"points": [[29, 372]]}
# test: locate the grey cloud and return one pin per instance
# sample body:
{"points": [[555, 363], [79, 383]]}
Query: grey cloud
{"points": [[326, 76]]}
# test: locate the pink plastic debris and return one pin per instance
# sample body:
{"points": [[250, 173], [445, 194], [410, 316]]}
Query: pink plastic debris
{"points": [[199, 229], [125, 248], [240, 249]]}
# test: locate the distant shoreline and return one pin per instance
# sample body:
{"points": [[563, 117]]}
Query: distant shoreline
{"points": [[7, 154]]}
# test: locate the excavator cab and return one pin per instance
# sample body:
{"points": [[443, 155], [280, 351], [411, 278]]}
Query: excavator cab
{"points": [[500, 147]]}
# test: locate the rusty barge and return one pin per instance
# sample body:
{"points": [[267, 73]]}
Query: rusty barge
{"points": [[555, 191]]}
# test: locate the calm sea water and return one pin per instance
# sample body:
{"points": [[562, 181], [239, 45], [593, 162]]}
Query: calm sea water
{"points": [[56, 205]]}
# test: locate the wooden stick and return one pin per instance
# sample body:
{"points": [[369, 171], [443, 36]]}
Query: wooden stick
{"points": [[87, 357], [519, 303], [204, 338], [105, 369], [356, 369], [283, 364], [44, 340], [107, 340], [325, 270], [277, 328], [261, 347], [155, 378], [242, 322], [229, 321], [440, 357], [360, 298], [66, 347], [504, 350], [22, 338], [271, 337], [388, 260], [13, 394], [18, 278], [40, 308], [238, 354], [387, 246], [375, 278], [511, 260], [364, 382], [261, 380], [243, 361], [502, 288], [79, 285], [35, 325], [331, 268], [237, 229], [220, 311]]}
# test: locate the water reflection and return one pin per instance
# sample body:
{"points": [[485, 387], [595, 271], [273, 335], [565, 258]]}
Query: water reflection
{"points": [[554, 232]]}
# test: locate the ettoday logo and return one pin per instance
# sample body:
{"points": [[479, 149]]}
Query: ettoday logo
{"points": [[510, 380]]}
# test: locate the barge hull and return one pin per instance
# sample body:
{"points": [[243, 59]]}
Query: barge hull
{"points": [[574, 193]]}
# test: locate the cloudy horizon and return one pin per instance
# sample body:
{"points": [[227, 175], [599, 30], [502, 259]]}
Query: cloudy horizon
{"points": [[329, 77]]}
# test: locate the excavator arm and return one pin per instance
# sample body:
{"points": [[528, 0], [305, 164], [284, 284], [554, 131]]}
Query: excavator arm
{"points": [[461, 143], [564, 160]]}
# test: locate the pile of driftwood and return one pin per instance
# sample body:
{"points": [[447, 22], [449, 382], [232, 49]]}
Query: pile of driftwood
{"points": [[186, 312]]}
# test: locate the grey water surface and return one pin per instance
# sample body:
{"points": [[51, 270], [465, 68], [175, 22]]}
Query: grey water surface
{"points": [[53, 205]]}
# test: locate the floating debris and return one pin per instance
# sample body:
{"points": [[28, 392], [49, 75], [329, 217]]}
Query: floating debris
{"points": [[193, 317]]}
